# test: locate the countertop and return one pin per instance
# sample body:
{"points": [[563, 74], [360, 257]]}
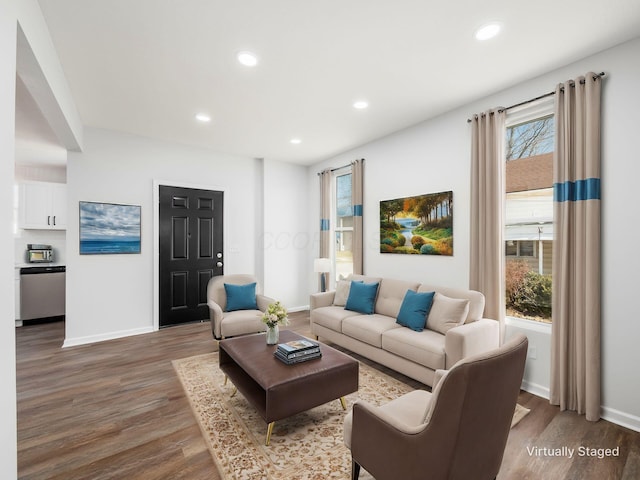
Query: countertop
{"points": [[53, 264]]}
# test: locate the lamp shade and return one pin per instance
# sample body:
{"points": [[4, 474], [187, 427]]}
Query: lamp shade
{"points": [[322, 265]]}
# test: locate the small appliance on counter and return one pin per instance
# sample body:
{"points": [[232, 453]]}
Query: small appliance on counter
{"points": [[38, 253]]}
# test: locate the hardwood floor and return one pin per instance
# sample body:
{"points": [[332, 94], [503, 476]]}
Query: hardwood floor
{"points": [[116, 410]]}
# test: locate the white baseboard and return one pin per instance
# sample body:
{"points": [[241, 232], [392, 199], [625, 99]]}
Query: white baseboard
{"points": [[73, 342], [298, 309], [609, 414], [537, 390], [621, 418]]}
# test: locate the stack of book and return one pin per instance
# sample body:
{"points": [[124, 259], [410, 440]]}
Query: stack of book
{"points": [[297, 351]]}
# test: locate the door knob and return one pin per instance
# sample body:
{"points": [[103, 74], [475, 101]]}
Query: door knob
{"points": [[219, 264]]}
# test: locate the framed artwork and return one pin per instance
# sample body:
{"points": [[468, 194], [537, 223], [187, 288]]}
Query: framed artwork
{"points": [[109, 228], [421, 225]]}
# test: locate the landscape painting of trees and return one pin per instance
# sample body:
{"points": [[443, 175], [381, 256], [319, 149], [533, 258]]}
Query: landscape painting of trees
{"points": [[420, 225]]}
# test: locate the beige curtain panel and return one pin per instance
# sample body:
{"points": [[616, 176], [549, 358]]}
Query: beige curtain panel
{"points": [[487, 207], [357, 180], [325, 215], [575, 352]]}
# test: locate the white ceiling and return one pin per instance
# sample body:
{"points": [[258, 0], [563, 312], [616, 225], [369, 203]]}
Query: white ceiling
{"points": [[148, 66]]}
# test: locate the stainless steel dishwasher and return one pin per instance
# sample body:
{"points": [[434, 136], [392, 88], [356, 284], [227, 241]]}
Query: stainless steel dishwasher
{"points": [[42, 292]]}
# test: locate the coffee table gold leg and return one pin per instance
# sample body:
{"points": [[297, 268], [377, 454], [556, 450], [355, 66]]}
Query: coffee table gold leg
{"points": [[233, 394], [225, 380], [343, 402], [269, 430]]}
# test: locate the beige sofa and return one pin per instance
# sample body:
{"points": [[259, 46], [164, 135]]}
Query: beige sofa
{"points": [[417, 354]]}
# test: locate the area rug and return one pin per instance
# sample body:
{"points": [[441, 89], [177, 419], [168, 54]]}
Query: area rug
{"points": [[307, 446], [519, 414]]}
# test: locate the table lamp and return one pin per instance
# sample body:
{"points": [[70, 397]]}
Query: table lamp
{"points": [[322, 266]]}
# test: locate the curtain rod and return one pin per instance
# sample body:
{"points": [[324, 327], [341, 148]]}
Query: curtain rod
{"points": [[597, 75], [338, 168]]}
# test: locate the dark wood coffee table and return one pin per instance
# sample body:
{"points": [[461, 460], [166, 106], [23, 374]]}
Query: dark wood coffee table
{"points": [[278, 390]]}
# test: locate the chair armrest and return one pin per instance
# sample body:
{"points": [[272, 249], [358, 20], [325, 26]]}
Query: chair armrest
{"points": [[215, 315], [321, 299], [470, 339], [263, 302], [366, 412], [377, 437]]}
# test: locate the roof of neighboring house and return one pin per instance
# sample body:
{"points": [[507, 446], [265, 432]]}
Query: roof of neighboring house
{"points": [[531, 173]]}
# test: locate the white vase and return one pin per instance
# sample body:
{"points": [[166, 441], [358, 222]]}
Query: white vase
{"points": [[273, 335]]}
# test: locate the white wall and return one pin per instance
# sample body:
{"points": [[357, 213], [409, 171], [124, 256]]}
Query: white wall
{"points": [[287, 242], [415, 161], [110, 296], [8, 437], [435, 155]]}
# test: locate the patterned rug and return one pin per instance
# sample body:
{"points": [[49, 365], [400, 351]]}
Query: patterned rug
{"points": [[307, 446]]}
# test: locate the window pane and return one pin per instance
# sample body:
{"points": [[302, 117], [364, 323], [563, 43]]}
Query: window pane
{"points": [[529, 219], [526, 249], [343, 231], [344, 255], [530, 139], [343, 196], [344, 222]]}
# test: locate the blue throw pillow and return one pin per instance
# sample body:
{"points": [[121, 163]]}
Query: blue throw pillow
{"points": [[362, 297], [414, 310], [241, 297]]}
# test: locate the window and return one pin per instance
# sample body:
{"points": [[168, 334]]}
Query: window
{"points": [[529, 212], [520, 248], [343, 230]]}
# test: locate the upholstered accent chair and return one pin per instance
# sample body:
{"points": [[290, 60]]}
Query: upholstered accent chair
{"points": [[457, 432], [243, 313]]}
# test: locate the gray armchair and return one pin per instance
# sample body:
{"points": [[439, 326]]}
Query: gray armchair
{"points": [[457, 432], [238, 322]]}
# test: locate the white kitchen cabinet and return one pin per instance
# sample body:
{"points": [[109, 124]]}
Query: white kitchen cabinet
{"points": [[43, 205]]}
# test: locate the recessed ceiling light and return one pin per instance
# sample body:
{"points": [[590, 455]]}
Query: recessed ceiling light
{"points": [[360, 104], [487, 31], [247, 59], [295, 141], [203, 117]]}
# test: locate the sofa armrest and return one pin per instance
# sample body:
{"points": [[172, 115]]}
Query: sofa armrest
{"points": [[437, 376], [215, 315], [470, 339], [321, 299]]}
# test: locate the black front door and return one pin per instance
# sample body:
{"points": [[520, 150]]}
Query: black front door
{"points": [[190, 252]]}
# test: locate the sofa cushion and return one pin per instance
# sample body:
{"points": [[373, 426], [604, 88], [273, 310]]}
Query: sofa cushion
{"points": [[391, 294], [414, 310], [476, 299], [331, 317], [363, 278], [425, 348], [241, 297], [447, 313], [362, 297], [240, 322], [369, 328]]}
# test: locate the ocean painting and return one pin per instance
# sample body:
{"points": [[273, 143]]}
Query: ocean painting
{"points": [[108, 228]]}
